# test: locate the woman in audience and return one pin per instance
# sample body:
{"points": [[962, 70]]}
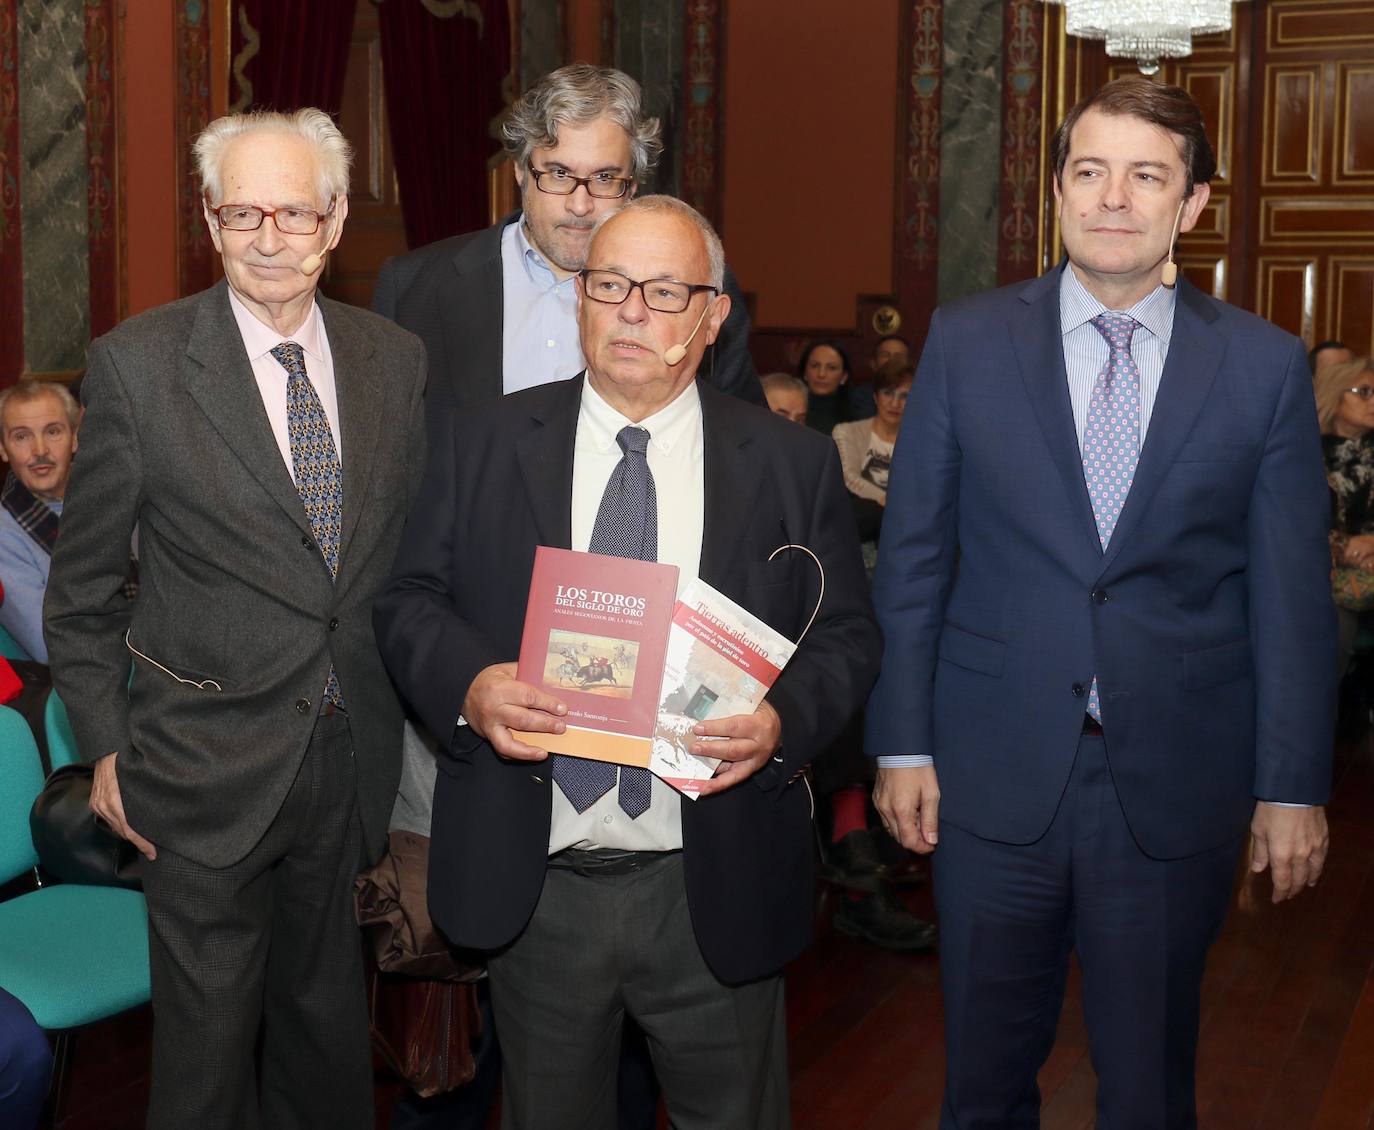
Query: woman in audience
{"points": [[1345, 409], [824, 367], [866, 452]]}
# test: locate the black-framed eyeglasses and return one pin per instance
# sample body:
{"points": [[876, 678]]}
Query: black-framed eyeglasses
{"points": [[560, 182], [1364, 392], [289, 221], [667, 296]]}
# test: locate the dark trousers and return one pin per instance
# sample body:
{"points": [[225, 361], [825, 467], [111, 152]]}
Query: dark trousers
{"points": [[1009, 916], [25, 1065], [599, 948], [270, 941]]}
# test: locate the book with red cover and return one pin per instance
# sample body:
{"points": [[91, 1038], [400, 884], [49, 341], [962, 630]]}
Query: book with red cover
{"points": [[596, 631]]}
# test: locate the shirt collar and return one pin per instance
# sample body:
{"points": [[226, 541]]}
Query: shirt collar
{"points": [[1077, 307], [260, 339], [537, 268], [667, 427]]}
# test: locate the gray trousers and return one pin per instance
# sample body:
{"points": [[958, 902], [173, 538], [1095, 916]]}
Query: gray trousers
{"points": [[270, 940], [599, 948]]}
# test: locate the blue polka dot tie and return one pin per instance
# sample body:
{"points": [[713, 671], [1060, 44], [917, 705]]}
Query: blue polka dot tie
{"points": [[315, 464], [1111, 440], [626, 526]]}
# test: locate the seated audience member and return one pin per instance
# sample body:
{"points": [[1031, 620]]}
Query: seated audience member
{"points": [[866, 451], [825, 368], [1328, 353], [25, 1065], [844, 773], [890, 350], [787, 396], [37, 440], [1345, 409]]}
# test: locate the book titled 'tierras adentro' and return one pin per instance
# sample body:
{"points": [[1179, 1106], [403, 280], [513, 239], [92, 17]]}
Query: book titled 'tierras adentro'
{"points": [[637, 667]]}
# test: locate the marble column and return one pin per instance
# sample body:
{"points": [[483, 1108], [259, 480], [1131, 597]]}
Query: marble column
{"points": [[52, 145], [970, 146]]}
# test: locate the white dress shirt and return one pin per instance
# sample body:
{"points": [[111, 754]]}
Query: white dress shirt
{"points": [[676, 457], [259, 339]]}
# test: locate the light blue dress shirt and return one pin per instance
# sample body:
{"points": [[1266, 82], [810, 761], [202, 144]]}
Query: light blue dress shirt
{"points": [[539, 342], [24, 572]]}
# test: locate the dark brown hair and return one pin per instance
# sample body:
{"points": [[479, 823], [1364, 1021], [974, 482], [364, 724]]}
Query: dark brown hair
{"points": [[1169, 107], [893, 374]]}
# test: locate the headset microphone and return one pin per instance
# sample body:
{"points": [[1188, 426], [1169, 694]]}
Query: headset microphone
{"points": [[315, 260], [674, 354], [1169, 276]]}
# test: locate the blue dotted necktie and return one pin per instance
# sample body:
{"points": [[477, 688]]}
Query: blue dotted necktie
{"points": [[626, 526], [319, 478], [1111, 440]]}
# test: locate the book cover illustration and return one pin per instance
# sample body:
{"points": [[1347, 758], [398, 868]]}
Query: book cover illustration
{"points": [[720, 661], [596, 629]]}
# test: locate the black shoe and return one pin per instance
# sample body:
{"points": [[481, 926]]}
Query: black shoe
{"points": [[852, 862], [884, 920]]}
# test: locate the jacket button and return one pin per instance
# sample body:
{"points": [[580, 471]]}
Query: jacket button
{"points": [[303, 705], [1079, 690], [306, 543], [334, 624], [1099, 596]]}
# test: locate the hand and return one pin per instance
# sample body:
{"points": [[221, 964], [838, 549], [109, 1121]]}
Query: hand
{"points": [[908, 800], [743, 742], [106, 803], [497, 702], [1292, 843], [1359, 551]]}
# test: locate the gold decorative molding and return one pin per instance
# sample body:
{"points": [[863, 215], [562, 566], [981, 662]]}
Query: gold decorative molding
{"points": [[252, 43]]}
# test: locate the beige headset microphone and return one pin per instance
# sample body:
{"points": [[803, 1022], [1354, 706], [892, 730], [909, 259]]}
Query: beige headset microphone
{"points": [[315, 260], [1169, 276], [674, 354]]}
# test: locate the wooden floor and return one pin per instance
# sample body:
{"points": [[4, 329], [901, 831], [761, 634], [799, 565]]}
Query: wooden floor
{"points": [[1287, 1031]]}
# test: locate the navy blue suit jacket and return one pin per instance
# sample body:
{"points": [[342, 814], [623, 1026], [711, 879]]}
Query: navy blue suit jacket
{"points": [[1208, 621]]}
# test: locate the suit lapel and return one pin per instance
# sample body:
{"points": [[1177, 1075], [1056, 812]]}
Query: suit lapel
{"points": [[357, 386], [1195, 352], [220, 380], [733, 480], [545, 457], [1038, 344]]}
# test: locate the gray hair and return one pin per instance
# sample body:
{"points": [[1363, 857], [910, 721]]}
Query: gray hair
{"points": [[29, 389], [671, 205], [576, 95], [332, 150]]}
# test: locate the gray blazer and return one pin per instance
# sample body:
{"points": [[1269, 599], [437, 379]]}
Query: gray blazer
{"points": [[236, 602]]}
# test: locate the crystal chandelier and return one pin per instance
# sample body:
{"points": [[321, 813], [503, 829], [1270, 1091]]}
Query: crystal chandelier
{"points": [[1146, 30]]}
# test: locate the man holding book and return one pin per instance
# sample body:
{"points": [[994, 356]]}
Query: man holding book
{"points": [[606, 893]]}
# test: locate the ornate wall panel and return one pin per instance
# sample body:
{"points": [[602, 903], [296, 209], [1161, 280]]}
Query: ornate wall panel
{"points": [[1020, 232], [102, 163], [1302, 25], [1350, 282], [195, 253], [1354, 125], [1288, 292], [1294, 112], [11, 246], [702, 99]]}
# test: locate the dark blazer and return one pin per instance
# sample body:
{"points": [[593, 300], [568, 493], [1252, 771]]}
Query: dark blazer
{"points": [[1208, 621], [451, 294], [233, 586], [500, 484]]}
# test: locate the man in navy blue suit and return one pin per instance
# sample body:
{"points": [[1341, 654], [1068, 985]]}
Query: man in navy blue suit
{"points": [[1104, 588]]}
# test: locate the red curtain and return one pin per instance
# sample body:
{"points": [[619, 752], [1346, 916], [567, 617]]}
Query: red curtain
{"points": [[289, 55], [444, 63]]}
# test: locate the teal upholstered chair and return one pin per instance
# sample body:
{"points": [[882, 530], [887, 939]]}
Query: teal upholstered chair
{"points": [[9, 647], [72, 954], [58, 727]]}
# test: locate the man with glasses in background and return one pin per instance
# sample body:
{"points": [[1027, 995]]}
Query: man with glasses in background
{"points": [[266, 441]]}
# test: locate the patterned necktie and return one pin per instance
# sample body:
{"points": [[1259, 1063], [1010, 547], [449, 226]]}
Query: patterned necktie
{"points": [[626, 526], [1111, 440], [319, 478]]}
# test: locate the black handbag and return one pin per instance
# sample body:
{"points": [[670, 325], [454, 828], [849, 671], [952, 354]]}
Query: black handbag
{"points": [[73, 845]]}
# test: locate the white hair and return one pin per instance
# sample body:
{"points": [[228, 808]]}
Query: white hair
{"points": [[333, 153], [715, 250]]}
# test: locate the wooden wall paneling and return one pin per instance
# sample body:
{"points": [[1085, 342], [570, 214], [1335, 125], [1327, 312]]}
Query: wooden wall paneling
{"points": [[103, 211], [375, 229], [1306, 25], [1350, 311], [1288, 292], [1294, 116], [1353, 151]]}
